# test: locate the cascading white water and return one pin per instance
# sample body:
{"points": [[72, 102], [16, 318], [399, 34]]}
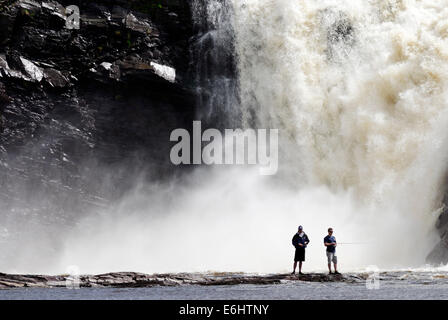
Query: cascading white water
{"points": [[213, 56], [357, 88], [358, 91]]}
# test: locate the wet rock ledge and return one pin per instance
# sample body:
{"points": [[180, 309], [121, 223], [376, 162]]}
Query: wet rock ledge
{"points": [[134, 280]]}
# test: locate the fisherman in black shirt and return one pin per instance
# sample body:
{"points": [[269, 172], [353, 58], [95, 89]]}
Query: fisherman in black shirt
{"points": [[299, 241], [330, 243]]}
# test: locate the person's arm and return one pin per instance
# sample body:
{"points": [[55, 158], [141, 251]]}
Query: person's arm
{"points": [[327, 244], [294, 241], [307, 240]]}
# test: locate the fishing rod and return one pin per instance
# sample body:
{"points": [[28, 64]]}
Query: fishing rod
{"points": [[353, 242]]}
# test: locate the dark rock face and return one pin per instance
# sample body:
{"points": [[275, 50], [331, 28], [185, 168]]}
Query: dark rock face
{"points": [[439, 255], [96, 91], [84, 111]]}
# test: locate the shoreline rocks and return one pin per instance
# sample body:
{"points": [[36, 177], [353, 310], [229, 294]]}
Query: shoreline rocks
{"points": [[142, 280], [137, 280]]}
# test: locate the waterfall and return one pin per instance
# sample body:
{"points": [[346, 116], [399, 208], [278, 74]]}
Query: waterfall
{"points": [[359, 94], [358, 91], [214, 64]]}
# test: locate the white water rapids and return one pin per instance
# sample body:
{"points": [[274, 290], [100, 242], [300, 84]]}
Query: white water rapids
{"points": [[359, 93]]}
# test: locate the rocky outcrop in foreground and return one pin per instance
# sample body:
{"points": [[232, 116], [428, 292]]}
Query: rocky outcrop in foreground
{"points": [[133, 279], [141, 280]]}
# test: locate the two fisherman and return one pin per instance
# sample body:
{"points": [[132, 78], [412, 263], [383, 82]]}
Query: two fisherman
{"points": [[300, 242]]}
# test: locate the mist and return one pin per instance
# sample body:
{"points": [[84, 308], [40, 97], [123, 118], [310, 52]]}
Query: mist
{"points": [[227, 219]]}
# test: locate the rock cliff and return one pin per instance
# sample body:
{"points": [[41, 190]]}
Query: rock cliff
{"points": [[82, 104]]}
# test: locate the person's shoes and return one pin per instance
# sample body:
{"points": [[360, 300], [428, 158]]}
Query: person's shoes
{"points": [[336, 272], [329, 272], [293, 272], [301, 273]]}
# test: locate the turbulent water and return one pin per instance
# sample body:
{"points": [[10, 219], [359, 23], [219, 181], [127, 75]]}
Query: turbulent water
{"points": [[358, 91]]}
